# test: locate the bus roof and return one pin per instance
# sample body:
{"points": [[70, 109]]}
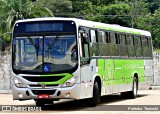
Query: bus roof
{"points": [[92, 24]]}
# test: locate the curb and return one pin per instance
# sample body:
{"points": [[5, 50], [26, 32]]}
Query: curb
{"points": [[154, 87]]}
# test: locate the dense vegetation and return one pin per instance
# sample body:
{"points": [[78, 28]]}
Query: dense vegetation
{"points": [[142, 14]]}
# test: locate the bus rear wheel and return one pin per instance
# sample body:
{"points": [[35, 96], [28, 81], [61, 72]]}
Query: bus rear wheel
{"points": [[132, 94], [134, 91]]}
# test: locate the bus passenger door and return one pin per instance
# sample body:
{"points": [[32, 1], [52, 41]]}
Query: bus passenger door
{"points": [[85, 66]]}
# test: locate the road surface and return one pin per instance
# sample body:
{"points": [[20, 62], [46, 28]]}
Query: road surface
{"points": [[110, 104]]}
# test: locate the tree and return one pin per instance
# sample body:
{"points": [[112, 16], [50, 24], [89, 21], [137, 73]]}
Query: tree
{"points": [[58, 7], [12, 10], [153, 5], [139, 8], [118, 13], [142, 14], [155, 29]]}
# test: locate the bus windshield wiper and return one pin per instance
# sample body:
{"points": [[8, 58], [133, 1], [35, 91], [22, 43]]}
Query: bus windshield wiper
{"points": [[32, 42], [36, 48], [50, 46]]}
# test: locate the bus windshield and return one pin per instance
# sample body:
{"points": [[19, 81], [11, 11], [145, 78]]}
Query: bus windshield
{"points": [[44, 54]]}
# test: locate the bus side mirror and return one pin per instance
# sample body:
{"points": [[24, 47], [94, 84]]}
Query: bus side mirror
{"points": [[85, 35], [81, 31]]}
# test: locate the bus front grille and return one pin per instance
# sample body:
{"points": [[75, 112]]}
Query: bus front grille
{"points": [[50, 92], [43, 79]]}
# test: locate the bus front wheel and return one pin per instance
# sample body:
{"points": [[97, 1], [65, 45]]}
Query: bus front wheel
{"points": [[96, 95]]}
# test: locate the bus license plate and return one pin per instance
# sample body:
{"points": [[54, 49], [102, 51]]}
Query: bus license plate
{"points": [[43, 96]]}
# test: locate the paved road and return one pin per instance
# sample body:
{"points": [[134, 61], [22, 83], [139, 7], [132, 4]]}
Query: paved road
{"points": [[109, 103]]}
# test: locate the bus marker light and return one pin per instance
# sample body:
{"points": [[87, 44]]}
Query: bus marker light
{"points": [[67, 94], [43, 85], [90, 83], [20, 95]]}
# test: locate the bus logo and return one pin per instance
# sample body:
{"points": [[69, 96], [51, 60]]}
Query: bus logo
{"points": [[43, 85]]}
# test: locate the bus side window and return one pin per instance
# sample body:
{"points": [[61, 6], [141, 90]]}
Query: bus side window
{"points": [[107, 37], [123, 46], [93, 36], [101, 37], [107, 45], [112, 37], [85, 47], [150, 46], [114, 46], [145, 46], [103, 46], [138, 46], [94, 43], [130, 45]]}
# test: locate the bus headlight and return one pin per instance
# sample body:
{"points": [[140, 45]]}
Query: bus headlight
{"points": [[71, 81], [18, 83]]}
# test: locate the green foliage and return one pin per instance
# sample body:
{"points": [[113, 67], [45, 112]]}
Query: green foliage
{"points": [[117, 14], [142, 14], [58, 7], [151, 22], [13, 10], [153, 5], [7, 38], [155, 29]]}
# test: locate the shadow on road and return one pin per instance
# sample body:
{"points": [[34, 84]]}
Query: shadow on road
{"points": [[77, 105], [115, 98]]}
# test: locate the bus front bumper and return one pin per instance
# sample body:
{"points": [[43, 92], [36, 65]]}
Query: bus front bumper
{"points": [[54, 93]]}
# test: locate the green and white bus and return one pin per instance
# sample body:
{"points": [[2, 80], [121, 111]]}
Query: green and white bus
{"points": [[68, 58]]}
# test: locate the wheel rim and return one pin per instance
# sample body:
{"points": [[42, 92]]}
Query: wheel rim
{"points": [[135, 88]]}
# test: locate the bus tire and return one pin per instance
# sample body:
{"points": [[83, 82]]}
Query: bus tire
{"points": [[96, 95], [131, 94]]}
